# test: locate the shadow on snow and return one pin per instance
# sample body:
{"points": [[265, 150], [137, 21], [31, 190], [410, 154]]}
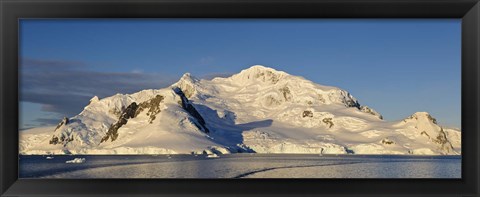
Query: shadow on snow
{"points": [[225, 131]]}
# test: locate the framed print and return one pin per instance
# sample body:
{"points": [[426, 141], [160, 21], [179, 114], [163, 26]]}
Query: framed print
{"points": [[375, 98]]}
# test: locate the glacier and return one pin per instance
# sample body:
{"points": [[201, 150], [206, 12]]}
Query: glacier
{"points": [[259, 110]]}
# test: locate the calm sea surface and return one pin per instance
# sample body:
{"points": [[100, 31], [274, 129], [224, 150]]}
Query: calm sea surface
{"points": [[241, 166]]}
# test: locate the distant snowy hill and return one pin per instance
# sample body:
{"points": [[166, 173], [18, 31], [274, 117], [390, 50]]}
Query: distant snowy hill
{"points": [[258, 110]]}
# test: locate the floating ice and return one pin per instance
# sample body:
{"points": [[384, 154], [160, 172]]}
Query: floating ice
{"points": [[213, 156], [76, 160]]}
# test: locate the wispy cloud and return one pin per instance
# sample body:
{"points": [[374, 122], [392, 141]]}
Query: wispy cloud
{"points": [[40, 122], [30, 64], [65, 87], [137, 71], [206, 60]]}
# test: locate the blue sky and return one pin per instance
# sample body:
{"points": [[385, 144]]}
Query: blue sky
{"points": [[397, 67]]}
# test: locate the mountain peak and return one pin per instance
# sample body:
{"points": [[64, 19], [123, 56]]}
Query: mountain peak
{"points": [[259, 68], [187, 78], [187, 84], [422, 117], [94, 99], [259, 73], [238, 113]]}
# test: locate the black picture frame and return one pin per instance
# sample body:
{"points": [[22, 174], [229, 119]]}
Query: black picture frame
{"points": [[13, 10]]}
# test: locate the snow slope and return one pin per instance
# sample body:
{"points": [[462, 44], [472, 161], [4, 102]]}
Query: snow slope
{"points": [[258, 110]]}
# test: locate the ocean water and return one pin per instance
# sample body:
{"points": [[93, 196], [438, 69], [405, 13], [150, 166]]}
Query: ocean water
{"points": [[241, 166]]}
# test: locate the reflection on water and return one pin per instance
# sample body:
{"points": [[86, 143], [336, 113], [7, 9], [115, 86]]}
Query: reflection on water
{"points": [[242, 166]]}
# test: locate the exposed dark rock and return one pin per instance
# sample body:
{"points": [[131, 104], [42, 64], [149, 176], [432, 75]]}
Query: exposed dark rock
{"points": [[412, 117], [270, 100], [65, 140], [352, 103], [54, 140], [415, 116], [129, 112], [443, 141], [387, 141], [268, 76], [328, 121], [153, 106], [64, 121], [441, 137], [321, 99], [286, 93], [367, 109], [425, 133], [432, 119], [349, 151], [307, 113], [62, 139], [116, 111], [132, 111], [187, 106]]}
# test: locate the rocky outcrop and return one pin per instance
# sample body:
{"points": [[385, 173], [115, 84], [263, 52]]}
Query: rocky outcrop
{"points": [[62, 139], [63, 122], [268, 76], [307, 113], [290, 114], [418, 115], [440, 139], [346, 98], [132, 111], [352, 103], [153, 106], [129, 112], [387, 141], [286, 93], [328, 122], [369, 110], [427, 126], [187, 106], [443, 141]]}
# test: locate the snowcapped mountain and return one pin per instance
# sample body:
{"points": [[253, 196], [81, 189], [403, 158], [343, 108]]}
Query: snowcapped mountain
{"points": [[258, 110]]}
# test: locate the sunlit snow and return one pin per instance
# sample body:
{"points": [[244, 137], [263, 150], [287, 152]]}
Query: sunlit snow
{"points": [[259, 110]]}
